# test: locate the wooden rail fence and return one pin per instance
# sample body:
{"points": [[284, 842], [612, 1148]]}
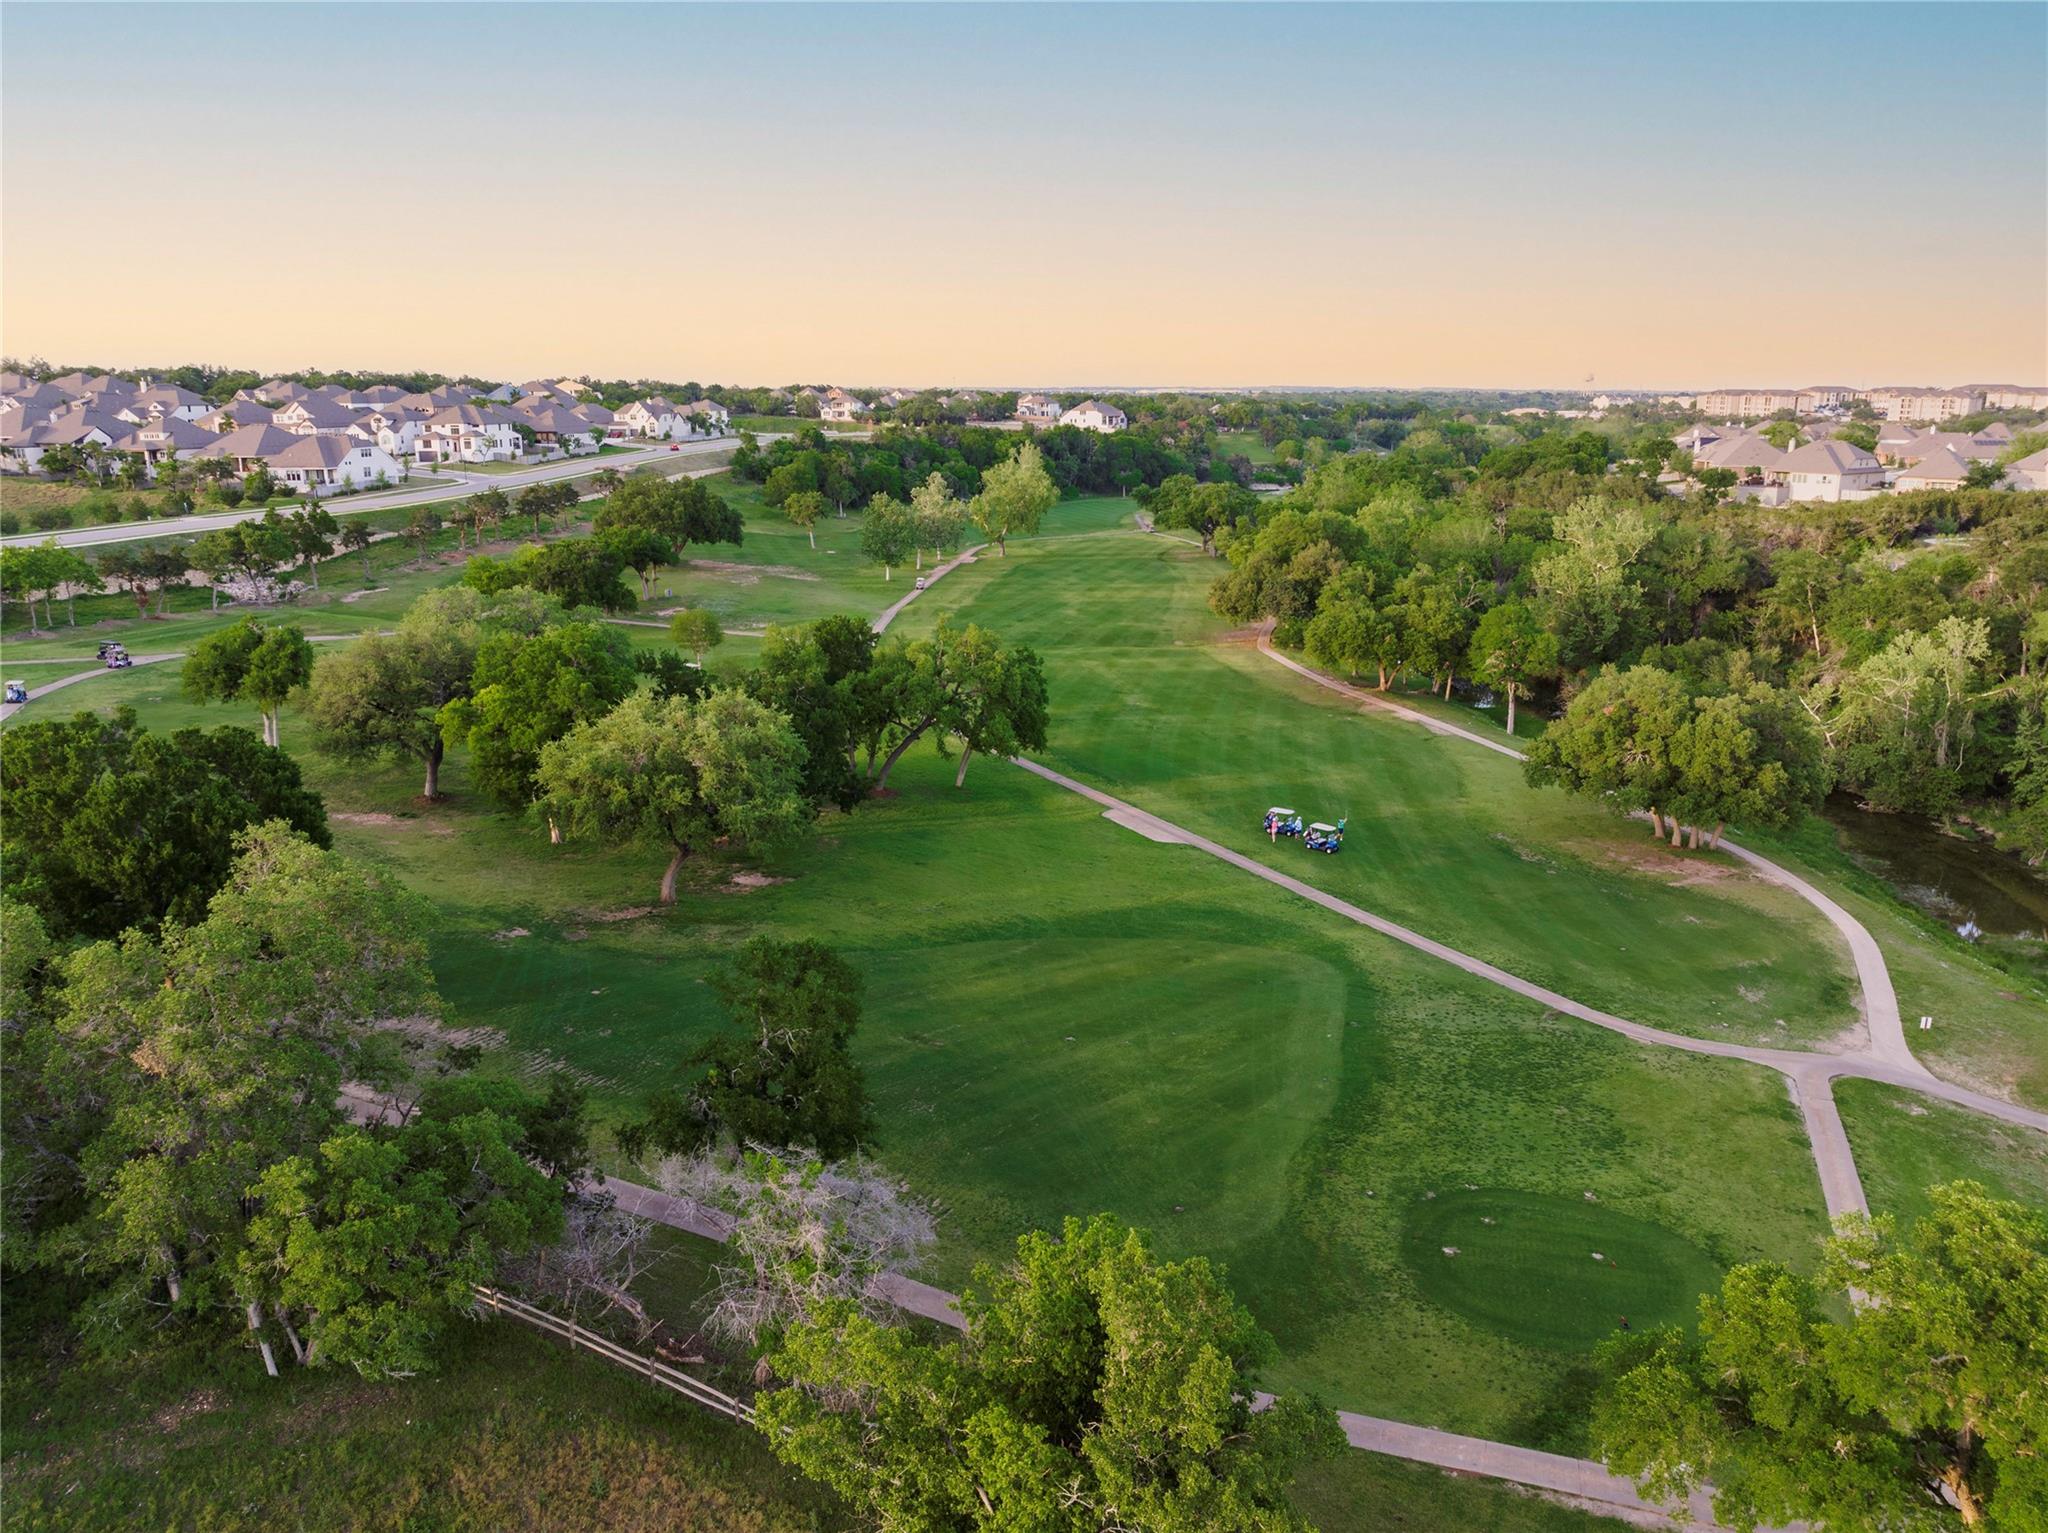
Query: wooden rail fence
{"points": [[693, 1389]]}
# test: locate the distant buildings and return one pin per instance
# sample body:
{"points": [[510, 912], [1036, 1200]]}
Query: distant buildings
{"points": [[1890, 403], [835, 404], [1039, 409]]}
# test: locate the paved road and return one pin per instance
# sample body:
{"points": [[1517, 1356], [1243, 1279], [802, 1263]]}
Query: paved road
{"points": [[428, 490]]}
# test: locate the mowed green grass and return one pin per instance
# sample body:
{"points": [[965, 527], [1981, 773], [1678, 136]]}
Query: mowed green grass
{"points": [[1906, 1143], [1551, 1272], [1063, 1017], [1443, 837]]}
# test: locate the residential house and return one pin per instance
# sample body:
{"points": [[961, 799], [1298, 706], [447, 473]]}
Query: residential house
{"points": [[1964, 446], [1913, 404], [278, 391], [711, 418], [166, 437], [2029, 473], [233, 416], [1830, 470], [1094, 415], [835, 404], [393, 428], [34, 405], [1695, 438], [442, 398], [1894, 438], [246, 447], [653, 417], [162, 399], [1041, 409], [467, 433], [1748, 455], [322, 464], [77, 425], [315, 414], [1941, 469], [96, 387], [557, 428], [1748, 403], [375, 397]]}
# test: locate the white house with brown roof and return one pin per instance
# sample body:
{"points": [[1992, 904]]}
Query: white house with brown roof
{"points": [[1094, 415], [1830, 470], [162, 399], [314, 414], [467, 433], [1041, 409], [557, 428], [835, 404], [322, 464]]}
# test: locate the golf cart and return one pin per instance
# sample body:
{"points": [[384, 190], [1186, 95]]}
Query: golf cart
{"points": [[920, 584], [1281, 822], [17, 691], [108, 646], [1324, 838], [116, 656]]}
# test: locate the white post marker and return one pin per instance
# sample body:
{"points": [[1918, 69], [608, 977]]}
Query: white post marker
{"points": [[1926, 1023]]}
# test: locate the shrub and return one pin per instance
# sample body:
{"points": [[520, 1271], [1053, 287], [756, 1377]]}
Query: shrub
{"points": [[10, 524], [50, 518]]}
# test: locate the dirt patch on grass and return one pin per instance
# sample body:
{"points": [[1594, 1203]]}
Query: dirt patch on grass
{"points": [[509, 933], [427, 1030], [1679, 869], [748, 574], [745, 880], [354, 596], [377, 820], [625, 913], [200, 1402]]}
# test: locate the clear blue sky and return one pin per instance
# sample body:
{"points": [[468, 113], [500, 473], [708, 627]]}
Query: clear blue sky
{"points": [[1383, 193]]}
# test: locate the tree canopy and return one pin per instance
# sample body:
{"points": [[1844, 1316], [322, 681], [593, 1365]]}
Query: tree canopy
{"points": [[110, 826], [1921, 1409], [1095, 1386], [251, 662]]}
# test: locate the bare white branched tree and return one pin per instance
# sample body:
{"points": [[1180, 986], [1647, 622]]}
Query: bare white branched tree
{"points": [[803, 1232], [589, 1273]]}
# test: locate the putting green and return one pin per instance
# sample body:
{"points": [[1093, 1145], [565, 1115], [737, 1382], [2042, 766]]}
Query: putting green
{"points": [[1549, 1272]]}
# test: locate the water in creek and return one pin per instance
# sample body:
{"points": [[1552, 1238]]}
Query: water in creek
{"points": [[1957, 881]]}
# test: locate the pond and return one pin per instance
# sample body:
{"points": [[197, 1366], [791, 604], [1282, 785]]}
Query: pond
{"points": [[1953, 879]]}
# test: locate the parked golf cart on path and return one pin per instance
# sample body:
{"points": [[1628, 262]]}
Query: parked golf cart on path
{"points": [[116, 656], [17, 692]]}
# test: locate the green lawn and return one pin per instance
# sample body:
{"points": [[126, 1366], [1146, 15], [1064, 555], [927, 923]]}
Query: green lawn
{"points": [[1064, 1017], [1442, 836], [1247, 444], [1906, 1143]]}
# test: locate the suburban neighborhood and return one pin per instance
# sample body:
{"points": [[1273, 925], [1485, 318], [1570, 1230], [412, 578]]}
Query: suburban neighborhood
{"points": [[1132, 768]]}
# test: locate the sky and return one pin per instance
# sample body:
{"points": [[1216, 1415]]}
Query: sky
{"points": [[1652, 195]]}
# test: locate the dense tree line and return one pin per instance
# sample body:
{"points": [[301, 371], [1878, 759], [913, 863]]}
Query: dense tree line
{"points": [[1910, 671]]}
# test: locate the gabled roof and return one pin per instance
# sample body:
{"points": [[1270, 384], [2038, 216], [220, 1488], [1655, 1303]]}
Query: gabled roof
{"points": [[434, 399], [78, 422], [316, 452], [264, 441], [35, 405], [170, 431], [246, 412], [2032, 463], [466, 414], [1828, 457], [1939, 464], [320, 410], [1960, 443], [1997, 431], [1745, 450]]}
